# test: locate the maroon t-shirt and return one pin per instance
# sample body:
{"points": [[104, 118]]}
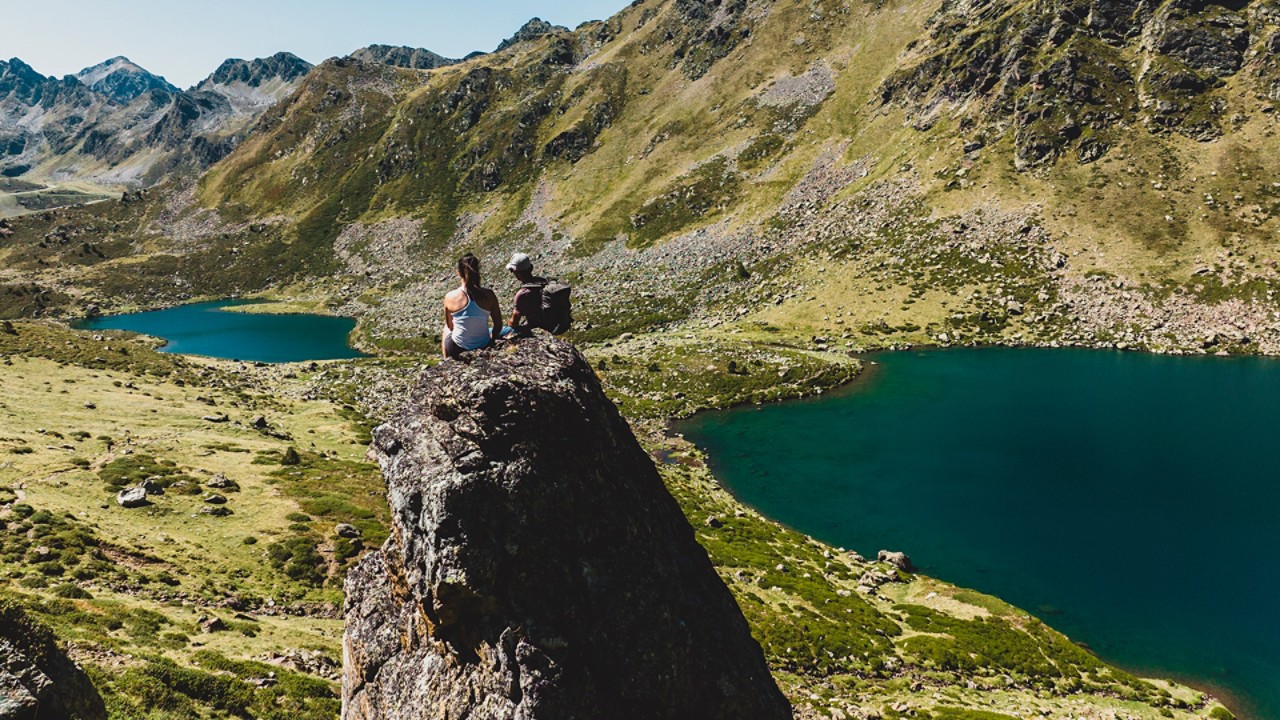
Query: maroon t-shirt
{"points": [[529, 304]]}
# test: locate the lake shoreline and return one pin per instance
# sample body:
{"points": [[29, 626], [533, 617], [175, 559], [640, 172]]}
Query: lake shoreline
{"points": [[873, 372], [1241, 709]]}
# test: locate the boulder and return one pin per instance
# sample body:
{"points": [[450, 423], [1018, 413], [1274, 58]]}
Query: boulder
{"points": [[896, 559], [37, 679], [132, 497], [346, 530], [874, 579], [221, 482], [537, 567], [152, 486], [215, 499]]}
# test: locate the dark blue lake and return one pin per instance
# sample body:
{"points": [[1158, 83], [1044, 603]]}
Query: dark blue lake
{"points": [[1130, 500], [209, 329]]}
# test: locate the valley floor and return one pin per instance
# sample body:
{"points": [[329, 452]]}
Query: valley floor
{"points": [[220, 597]]}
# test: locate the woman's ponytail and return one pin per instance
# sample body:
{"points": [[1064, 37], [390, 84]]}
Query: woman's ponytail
{"points": [[469, 269]]}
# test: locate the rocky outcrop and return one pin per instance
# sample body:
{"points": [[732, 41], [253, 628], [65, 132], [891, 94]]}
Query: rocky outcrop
{"points": [[20, 82], [133, 497], [532, 30], [537, 567], [899, 560], [37, 680]]}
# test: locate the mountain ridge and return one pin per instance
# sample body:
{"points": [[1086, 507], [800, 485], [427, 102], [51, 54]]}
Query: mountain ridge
{"points": [[533, 29], [117, 124], [403, 56], [282, 65], [714, 127]]}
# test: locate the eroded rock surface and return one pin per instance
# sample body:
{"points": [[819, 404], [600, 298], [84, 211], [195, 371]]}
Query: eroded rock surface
{"points": [[537, 566], [37, 680]]}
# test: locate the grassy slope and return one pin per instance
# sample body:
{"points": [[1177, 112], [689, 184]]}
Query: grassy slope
{"points": [[669, 123], [666, 125], [131, 587], [667, 137]]}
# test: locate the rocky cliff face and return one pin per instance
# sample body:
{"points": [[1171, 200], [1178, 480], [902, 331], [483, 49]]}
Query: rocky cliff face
{"points": [[37, 680], [537, 566], [1076, 74]]}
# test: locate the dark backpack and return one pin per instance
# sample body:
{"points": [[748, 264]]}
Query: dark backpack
{"points": [[557, 311]]}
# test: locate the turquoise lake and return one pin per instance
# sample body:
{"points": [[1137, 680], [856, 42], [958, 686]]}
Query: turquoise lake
{"points": [[1129, 500], [209, 329]]}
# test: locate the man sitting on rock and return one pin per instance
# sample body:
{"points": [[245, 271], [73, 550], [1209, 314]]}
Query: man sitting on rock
{"points": [[528, 301]]}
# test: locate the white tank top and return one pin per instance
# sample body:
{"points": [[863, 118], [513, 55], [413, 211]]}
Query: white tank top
{"points": [[471, 326]]}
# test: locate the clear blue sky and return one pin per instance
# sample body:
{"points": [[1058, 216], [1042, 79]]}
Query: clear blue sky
{"points": [[185, 40]]}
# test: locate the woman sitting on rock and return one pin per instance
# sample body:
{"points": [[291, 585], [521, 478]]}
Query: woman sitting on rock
{"points": [[467, 311]]}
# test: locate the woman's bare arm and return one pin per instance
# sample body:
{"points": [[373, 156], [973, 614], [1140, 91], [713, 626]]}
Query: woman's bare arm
{"points": [[448, 328], [495, 312]]}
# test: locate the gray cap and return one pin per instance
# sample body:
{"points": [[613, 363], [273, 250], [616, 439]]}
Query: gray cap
{"points": [[520, 261]]}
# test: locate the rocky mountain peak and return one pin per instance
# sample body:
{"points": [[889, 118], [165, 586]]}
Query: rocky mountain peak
{"points": [[402, 56], [254, 73], [122, 80], [20, 81], [537, 566], [535, 28], [17, 67]]}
